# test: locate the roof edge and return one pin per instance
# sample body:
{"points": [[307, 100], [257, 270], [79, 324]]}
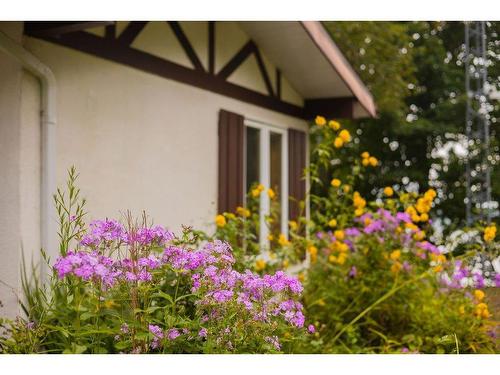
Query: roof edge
{"points": [[335, 57]]}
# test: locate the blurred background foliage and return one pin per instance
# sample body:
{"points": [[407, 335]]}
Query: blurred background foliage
{"points": [[415, 72]]}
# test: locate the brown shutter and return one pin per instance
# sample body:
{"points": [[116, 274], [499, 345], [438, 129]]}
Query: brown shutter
{"points": [[230, 161], [296, 166]]}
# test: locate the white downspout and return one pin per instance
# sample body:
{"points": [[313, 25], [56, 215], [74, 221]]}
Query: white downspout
{"points": [[48, 229]]}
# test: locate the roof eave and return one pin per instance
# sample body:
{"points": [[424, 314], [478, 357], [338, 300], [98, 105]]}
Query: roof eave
{"points": [[332, 53]]}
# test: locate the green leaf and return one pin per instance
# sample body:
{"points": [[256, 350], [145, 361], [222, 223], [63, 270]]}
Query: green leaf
{"points": [[75, 349], [120, 345], [86, 316]]}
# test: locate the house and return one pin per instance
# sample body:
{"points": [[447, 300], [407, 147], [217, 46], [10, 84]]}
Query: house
{"points": [[174, 118]]}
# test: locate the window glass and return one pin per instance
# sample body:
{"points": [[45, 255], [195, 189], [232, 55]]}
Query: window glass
{"points": [[252, 157]]}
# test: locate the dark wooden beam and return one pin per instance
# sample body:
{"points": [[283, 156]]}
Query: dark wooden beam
{"points": [[123, 54], [51, 29], [186, 45], [120, 52], [131, 31], [237, 60], [263, 71], [278, 83], [329, 107], [211, 47], [110, 32]]}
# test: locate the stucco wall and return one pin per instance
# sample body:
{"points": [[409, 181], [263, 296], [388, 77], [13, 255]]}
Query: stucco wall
{"points": [[10, 245], [140, 142]]}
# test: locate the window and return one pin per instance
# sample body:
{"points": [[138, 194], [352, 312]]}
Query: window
{"points": [[266, 162]]}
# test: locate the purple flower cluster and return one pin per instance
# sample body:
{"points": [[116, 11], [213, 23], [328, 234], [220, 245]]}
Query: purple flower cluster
{"points": [[87, 266], [462, 277], [146, 236], [97, 267], [274, 340], [105, 231], [219, 286], [159, 335]]}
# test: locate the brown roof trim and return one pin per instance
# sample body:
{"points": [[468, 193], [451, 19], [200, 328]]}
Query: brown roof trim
{"points": [[333, 54]]}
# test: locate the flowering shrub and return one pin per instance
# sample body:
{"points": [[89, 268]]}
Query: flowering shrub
{"points": [[136, 288], [375, 280]]}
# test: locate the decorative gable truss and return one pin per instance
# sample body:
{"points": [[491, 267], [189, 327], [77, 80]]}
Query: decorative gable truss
{"points": [[120, 48]]}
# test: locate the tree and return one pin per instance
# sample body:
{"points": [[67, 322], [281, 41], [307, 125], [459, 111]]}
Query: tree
{"points": [[415, 72]]}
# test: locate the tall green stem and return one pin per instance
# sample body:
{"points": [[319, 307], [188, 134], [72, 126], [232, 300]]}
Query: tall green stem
{"points": [[387, 295]]}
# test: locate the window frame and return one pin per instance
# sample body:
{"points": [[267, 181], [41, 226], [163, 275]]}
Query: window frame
{"points": [[265, 130]]}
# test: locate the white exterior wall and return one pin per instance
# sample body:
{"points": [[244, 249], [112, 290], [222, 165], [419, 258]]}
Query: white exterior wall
{"points": [[138, 141], [10, 169]]}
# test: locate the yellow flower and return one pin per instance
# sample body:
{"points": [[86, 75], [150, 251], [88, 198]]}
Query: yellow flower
{"points": [[260, 264], [336, 182], [358, 201], [257, 190], [388, 191], [395, 255], [423, 205], [339, 235], [396, 267], [301, 276], [345, 135], [243, 211], [321, 302], [490, 233], [282, 240], [334, 125], [220, 220], [346, 188], [338, 142], [403, 198], [430, 194], [438, 268], [293, 225], [415, 218], [373, 161], [424, 217], [332, 223], [419, 236], [479, 295], [441, 258], [411, 211], [341, 259], [358, 212], [365, 155], [313, 251], [365, 162], [285, 263], [270, 237], [461, 309], [343, 248], [332, 259], [411, 226], [482, 311], [320, 120], [271, 193], [230, 216]]}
